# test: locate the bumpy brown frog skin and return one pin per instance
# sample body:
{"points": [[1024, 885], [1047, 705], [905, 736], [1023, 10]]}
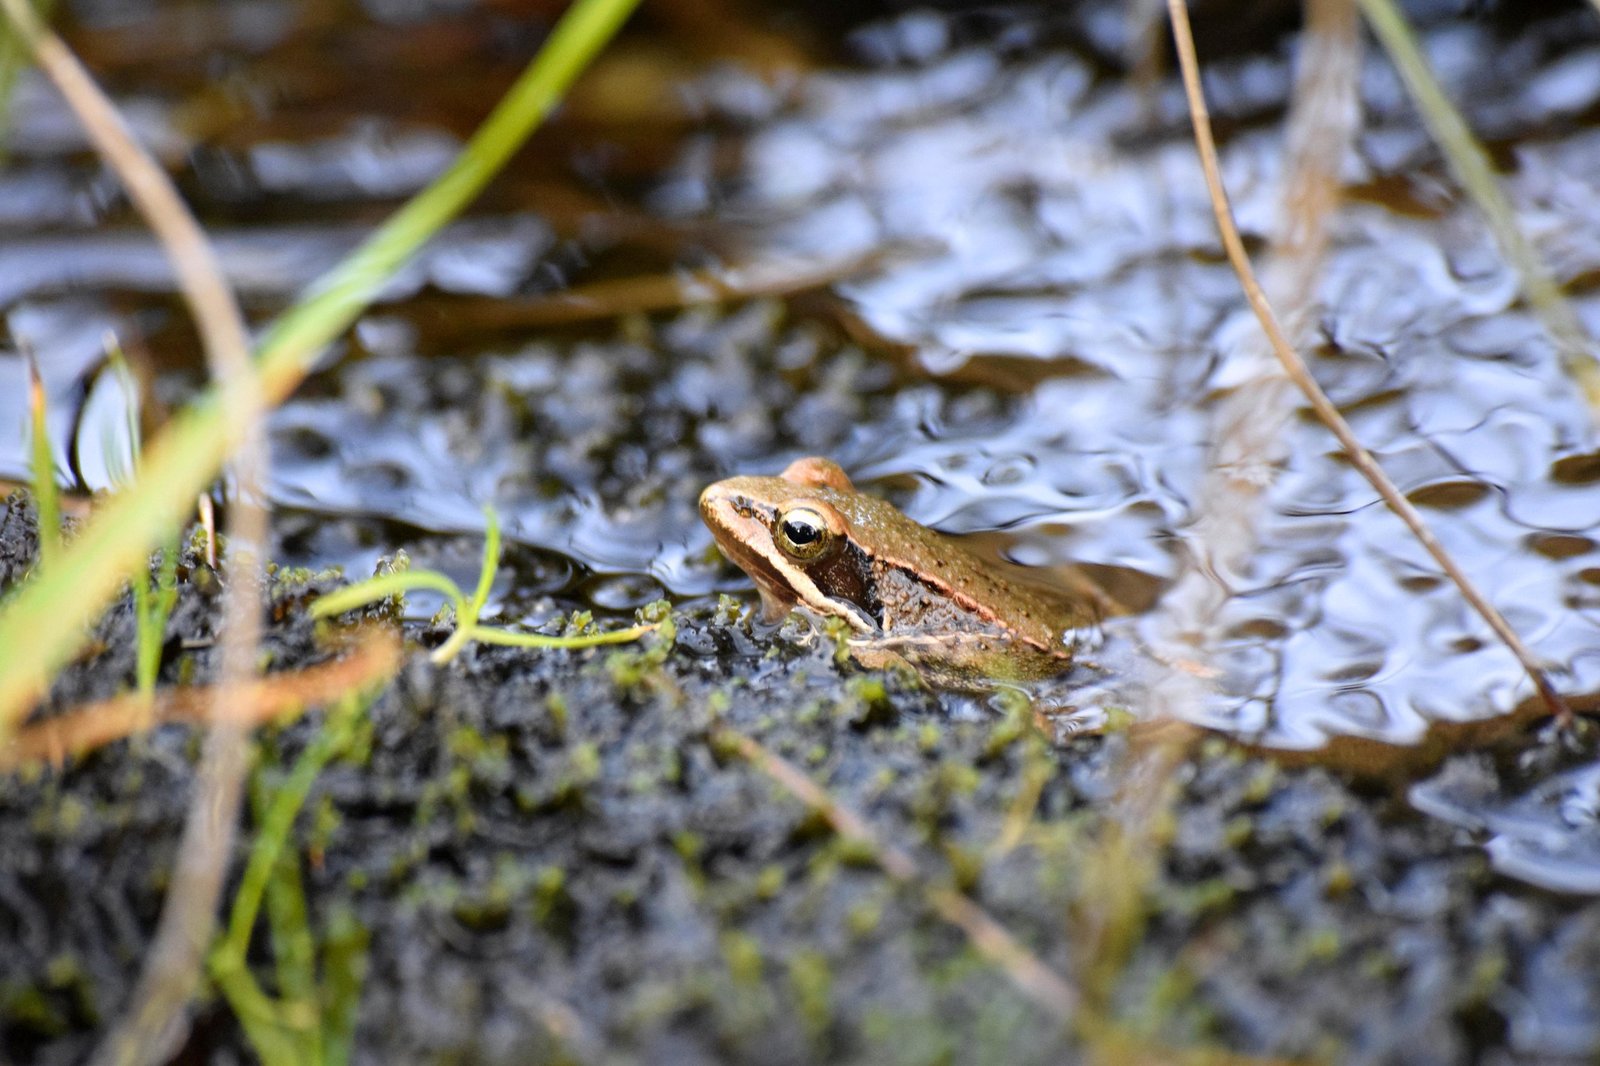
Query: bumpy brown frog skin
{"points": [[809, 538]]}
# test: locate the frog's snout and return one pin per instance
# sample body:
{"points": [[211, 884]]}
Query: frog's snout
{"points": [[712, 500]]}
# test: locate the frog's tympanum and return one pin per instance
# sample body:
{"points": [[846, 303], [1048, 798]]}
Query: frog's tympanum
{"points": [[809, 539]]}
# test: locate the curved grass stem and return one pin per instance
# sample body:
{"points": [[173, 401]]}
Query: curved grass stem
{"points": [[381, 588], [467, 609], [49, 615], [289, 1029], [46, 494], [155, 1020], [491, 562], [1300, 374], [511, 639]]}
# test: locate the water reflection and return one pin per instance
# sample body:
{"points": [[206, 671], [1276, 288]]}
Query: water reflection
{"points": [[1045, 218], [1548, 834], [484, 257], [1065, 232]]}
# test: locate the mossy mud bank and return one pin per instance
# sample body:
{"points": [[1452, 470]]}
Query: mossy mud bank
{"points": [[998, 304], [557, 857]]}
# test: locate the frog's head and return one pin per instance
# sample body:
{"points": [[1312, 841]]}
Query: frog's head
{"points": [[791, 536]]}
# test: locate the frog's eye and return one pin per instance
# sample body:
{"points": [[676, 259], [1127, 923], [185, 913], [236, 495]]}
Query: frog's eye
{"points": [[803, 532]]}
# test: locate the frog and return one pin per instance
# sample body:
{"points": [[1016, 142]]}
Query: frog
{"points": [[908, 595]]}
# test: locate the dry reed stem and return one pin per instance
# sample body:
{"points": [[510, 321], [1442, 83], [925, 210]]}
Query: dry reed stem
{"points": [[1249, 429], [1359, 457], [1032, 977], [94, 725], [153, 1024], [194, 263], [1251, 420], [1144, 21]]}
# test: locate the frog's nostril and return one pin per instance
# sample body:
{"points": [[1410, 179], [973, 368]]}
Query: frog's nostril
{"points": [[713, 498]]}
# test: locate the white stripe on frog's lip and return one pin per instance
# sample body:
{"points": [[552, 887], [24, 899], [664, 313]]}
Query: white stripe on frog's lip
{"points": [[855, 617], [787, 584], [799, 587]]}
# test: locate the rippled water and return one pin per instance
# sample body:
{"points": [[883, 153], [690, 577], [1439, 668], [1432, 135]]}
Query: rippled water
{"points": [[1548, 834], [1036, 221]]}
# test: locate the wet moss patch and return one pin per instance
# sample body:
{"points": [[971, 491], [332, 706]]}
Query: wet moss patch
{"points": [[550, 854]]}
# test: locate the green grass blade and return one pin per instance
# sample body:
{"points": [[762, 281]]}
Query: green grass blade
{"points": [[152, 606], [382, 587], [271, 1039], [346, 291], [511, 639], [289, 932], [295, 952], [1476, 172], [291, 1031], [279, 818], [148, 633], [491, 563], [344, 968], [46, 495], [50, 612], [49, 615]]}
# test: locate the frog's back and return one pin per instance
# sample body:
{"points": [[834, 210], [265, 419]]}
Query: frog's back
{"points": [[928, 582]]}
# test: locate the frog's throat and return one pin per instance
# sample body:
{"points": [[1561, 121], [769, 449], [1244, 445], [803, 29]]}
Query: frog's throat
{"points": [[736, 527], [774, 608], [781, 595], [782, 588]]}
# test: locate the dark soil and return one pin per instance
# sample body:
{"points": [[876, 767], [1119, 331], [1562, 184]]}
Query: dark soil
{"points": [[558, 856], [556, 861]]}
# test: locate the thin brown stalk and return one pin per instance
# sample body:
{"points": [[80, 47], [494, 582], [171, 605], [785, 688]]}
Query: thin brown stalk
{"points": [[1146, 61], [153, 1025], [1036, 773], [208, 526], [1250, 421], [1249, 430], [1249, 425], [13, 57], [77, 732], [1109, 917], [193, 261], [989, 938], [1296, 368]]}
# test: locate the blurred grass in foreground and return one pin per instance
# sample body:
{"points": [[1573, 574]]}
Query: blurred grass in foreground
{"points": [[49, 615]]}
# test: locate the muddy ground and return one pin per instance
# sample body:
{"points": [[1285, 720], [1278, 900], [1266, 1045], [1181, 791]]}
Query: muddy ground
{"points": [[556, 860], [560, 857]]}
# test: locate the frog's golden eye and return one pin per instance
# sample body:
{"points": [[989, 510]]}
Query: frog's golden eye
{"points": [[804, 532]]}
